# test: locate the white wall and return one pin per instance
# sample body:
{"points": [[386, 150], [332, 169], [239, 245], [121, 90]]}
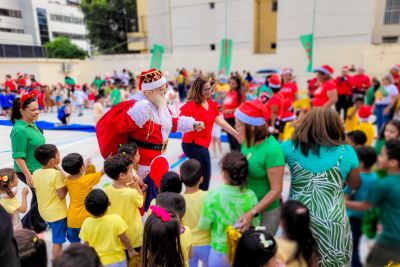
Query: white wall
{"points": [[159, 24]]}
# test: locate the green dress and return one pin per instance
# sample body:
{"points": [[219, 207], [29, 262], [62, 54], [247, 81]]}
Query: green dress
{"points": [[322, 193]]}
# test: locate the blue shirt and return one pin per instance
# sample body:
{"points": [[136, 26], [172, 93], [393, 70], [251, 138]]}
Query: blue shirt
{"points": [[61, 112], [5, 101], [326, 160], [367, 181]]}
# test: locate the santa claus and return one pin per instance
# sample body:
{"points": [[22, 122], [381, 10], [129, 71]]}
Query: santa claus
{"points": [[145, 120]]}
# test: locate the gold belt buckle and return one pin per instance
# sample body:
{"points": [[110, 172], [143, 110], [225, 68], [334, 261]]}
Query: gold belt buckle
{"points": [[164, 148]]}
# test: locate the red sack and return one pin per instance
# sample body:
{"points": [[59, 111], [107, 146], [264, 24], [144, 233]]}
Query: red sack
{"points": [[107, 129]]}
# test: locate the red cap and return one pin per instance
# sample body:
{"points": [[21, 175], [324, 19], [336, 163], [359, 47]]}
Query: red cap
{"points": [[274, 81], [325, 69], [346, 68], [252, 113], [364, 112], [286, 71]]}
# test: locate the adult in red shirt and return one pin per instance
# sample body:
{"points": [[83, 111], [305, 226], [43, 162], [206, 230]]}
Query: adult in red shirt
{"points": [[10, 84], [312, 85], [326, 94], [275, 106], [361, 83], [289, 92], [344, 88], [201, 107], [394, 72], [232, 101]]}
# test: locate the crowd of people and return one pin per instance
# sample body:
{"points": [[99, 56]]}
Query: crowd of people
{"points": [[341, 144]]}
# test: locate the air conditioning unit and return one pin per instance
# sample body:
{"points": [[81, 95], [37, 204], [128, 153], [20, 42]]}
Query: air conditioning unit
{"points": [[67, 67]]}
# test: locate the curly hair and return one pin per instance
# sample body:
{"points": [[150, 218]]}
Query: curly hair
{"points": [[236, 167]]}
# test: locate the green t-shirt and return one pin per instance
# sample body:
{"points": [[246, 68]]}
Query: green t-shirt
{"points": [[261, 157], [263, 89], [385, 195], [115, 96], [370, 96], [222, 207], [25, 138], [378, 148], [98, 83]]}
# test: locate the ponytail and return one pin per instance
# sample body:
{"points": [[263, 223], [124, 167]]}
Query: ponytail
{"points": [[7, 175], [16, 108]]}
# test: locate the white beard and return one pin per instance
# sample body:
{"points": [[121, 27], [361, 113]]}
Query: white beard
{"points": [[159, 101]]}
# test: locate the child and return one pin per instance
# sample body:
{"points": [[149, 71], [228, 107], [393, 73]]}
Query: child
{"points": [[256, 248], [367, 157], [5, 103], [106, 233], [132, 151], [224, 205], [31, 249], [176, 203], [356, 138], [161, 245], [297, 246], [51, 191], [191, 176], [391, 131], [78, 254], [8, 199], [125, 196], [351, 120], [364, 112], [64, 112], [171, 182], [78, 185], [384, 194], [98, 108], [216, 140]]}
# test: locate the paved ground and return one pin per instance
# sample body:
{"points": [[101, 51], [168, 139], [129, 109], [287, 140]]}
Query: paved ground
{"points": [[86, 144]]}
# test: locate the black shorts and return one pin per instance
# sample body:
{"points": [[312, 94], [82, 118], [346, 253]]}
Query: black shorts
{"points": [[64, 118]]}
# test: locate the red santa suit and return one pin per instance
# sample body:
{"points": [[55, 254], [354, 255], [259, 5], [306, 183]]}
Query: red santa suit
{"points": [[141, 122]]}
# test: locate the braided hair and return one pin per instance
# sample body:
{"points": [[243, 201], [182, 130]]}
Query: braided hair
{"points": [[235, 165], [5, 183]]}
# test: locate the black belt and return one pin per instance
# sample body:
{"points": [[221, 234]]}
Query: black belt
{"points": [[146, 145]]}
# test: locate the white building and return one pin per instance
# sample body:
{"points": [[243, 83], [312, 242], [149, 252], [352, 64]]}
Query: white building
{"points": [[34, 22]]}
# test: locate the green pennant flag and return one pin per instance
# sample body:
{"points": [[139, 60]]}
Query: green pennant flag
{"points": [[156, 58], [226, 57], [308, 41]]}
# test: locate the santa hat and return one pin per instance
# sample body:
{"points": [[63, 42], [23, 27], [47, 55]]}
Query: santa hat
{"points": [[151, 79], [396, 67], [286, 71], [345, 68], [364, 112], [77, 87], [252, 113], [326, 69], [274, 82]]}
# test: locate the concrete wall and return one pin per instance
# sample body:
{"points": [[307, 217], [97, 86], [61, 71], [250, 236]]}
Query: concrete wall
{"points": [[376, 59]]}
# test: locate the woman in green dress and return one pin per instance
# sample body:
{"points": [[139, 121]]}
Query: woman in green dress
{"points": [[320, 163]]}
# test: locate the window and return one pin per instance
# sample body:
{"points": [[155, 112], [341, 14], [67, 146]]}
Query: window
{"points": [[10, 13], [72, 36], [390, 39], [11, 30], [392, 12], [43, 27], [66, 19], [274, 5], [212, 47], [212, 5]]}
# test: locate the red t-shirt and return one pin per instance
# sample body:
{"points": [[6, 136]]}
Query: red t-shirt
{"points": [[10, 85], [321, 94], [199, 113], [289, 90], [361, 82], [275, 100], [396, 81], [312, 85], [22, 82], [344, 87], [230, 103]]}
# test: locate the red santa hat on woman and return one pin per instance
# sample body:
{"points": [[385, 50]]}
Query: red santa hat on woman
{"points": [[325, 69], [274, 81], [151, 79], [252, 113], [286, 71]]}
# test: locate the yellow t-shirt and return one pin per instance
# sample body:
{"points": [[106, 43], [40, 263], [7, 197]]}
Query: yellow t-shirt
{"points": [[285, 253], [186, 244], [351, 122], [46, 182], [222, 88], [78, 190], [369, 130], [102, 233], [126, 203], [10, 204], [192, 217]]}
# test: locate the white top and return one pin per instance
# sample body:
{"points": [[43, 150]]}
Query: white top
{"points": [[80, 97], [391, 90]]}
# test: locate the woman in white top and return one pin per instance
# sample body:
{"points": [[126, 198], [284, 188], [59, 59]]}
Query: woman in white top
{"points": [[385, 100]]}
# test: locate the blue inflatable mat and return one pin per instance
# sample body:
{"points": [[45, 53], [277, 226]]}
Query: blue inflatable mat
{"points": [[45, 125]]}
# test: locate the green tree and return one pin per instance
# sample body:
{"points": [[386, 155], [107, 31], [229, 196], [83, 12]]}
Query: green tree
{"points": [[61, 47], [108, 21]]}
